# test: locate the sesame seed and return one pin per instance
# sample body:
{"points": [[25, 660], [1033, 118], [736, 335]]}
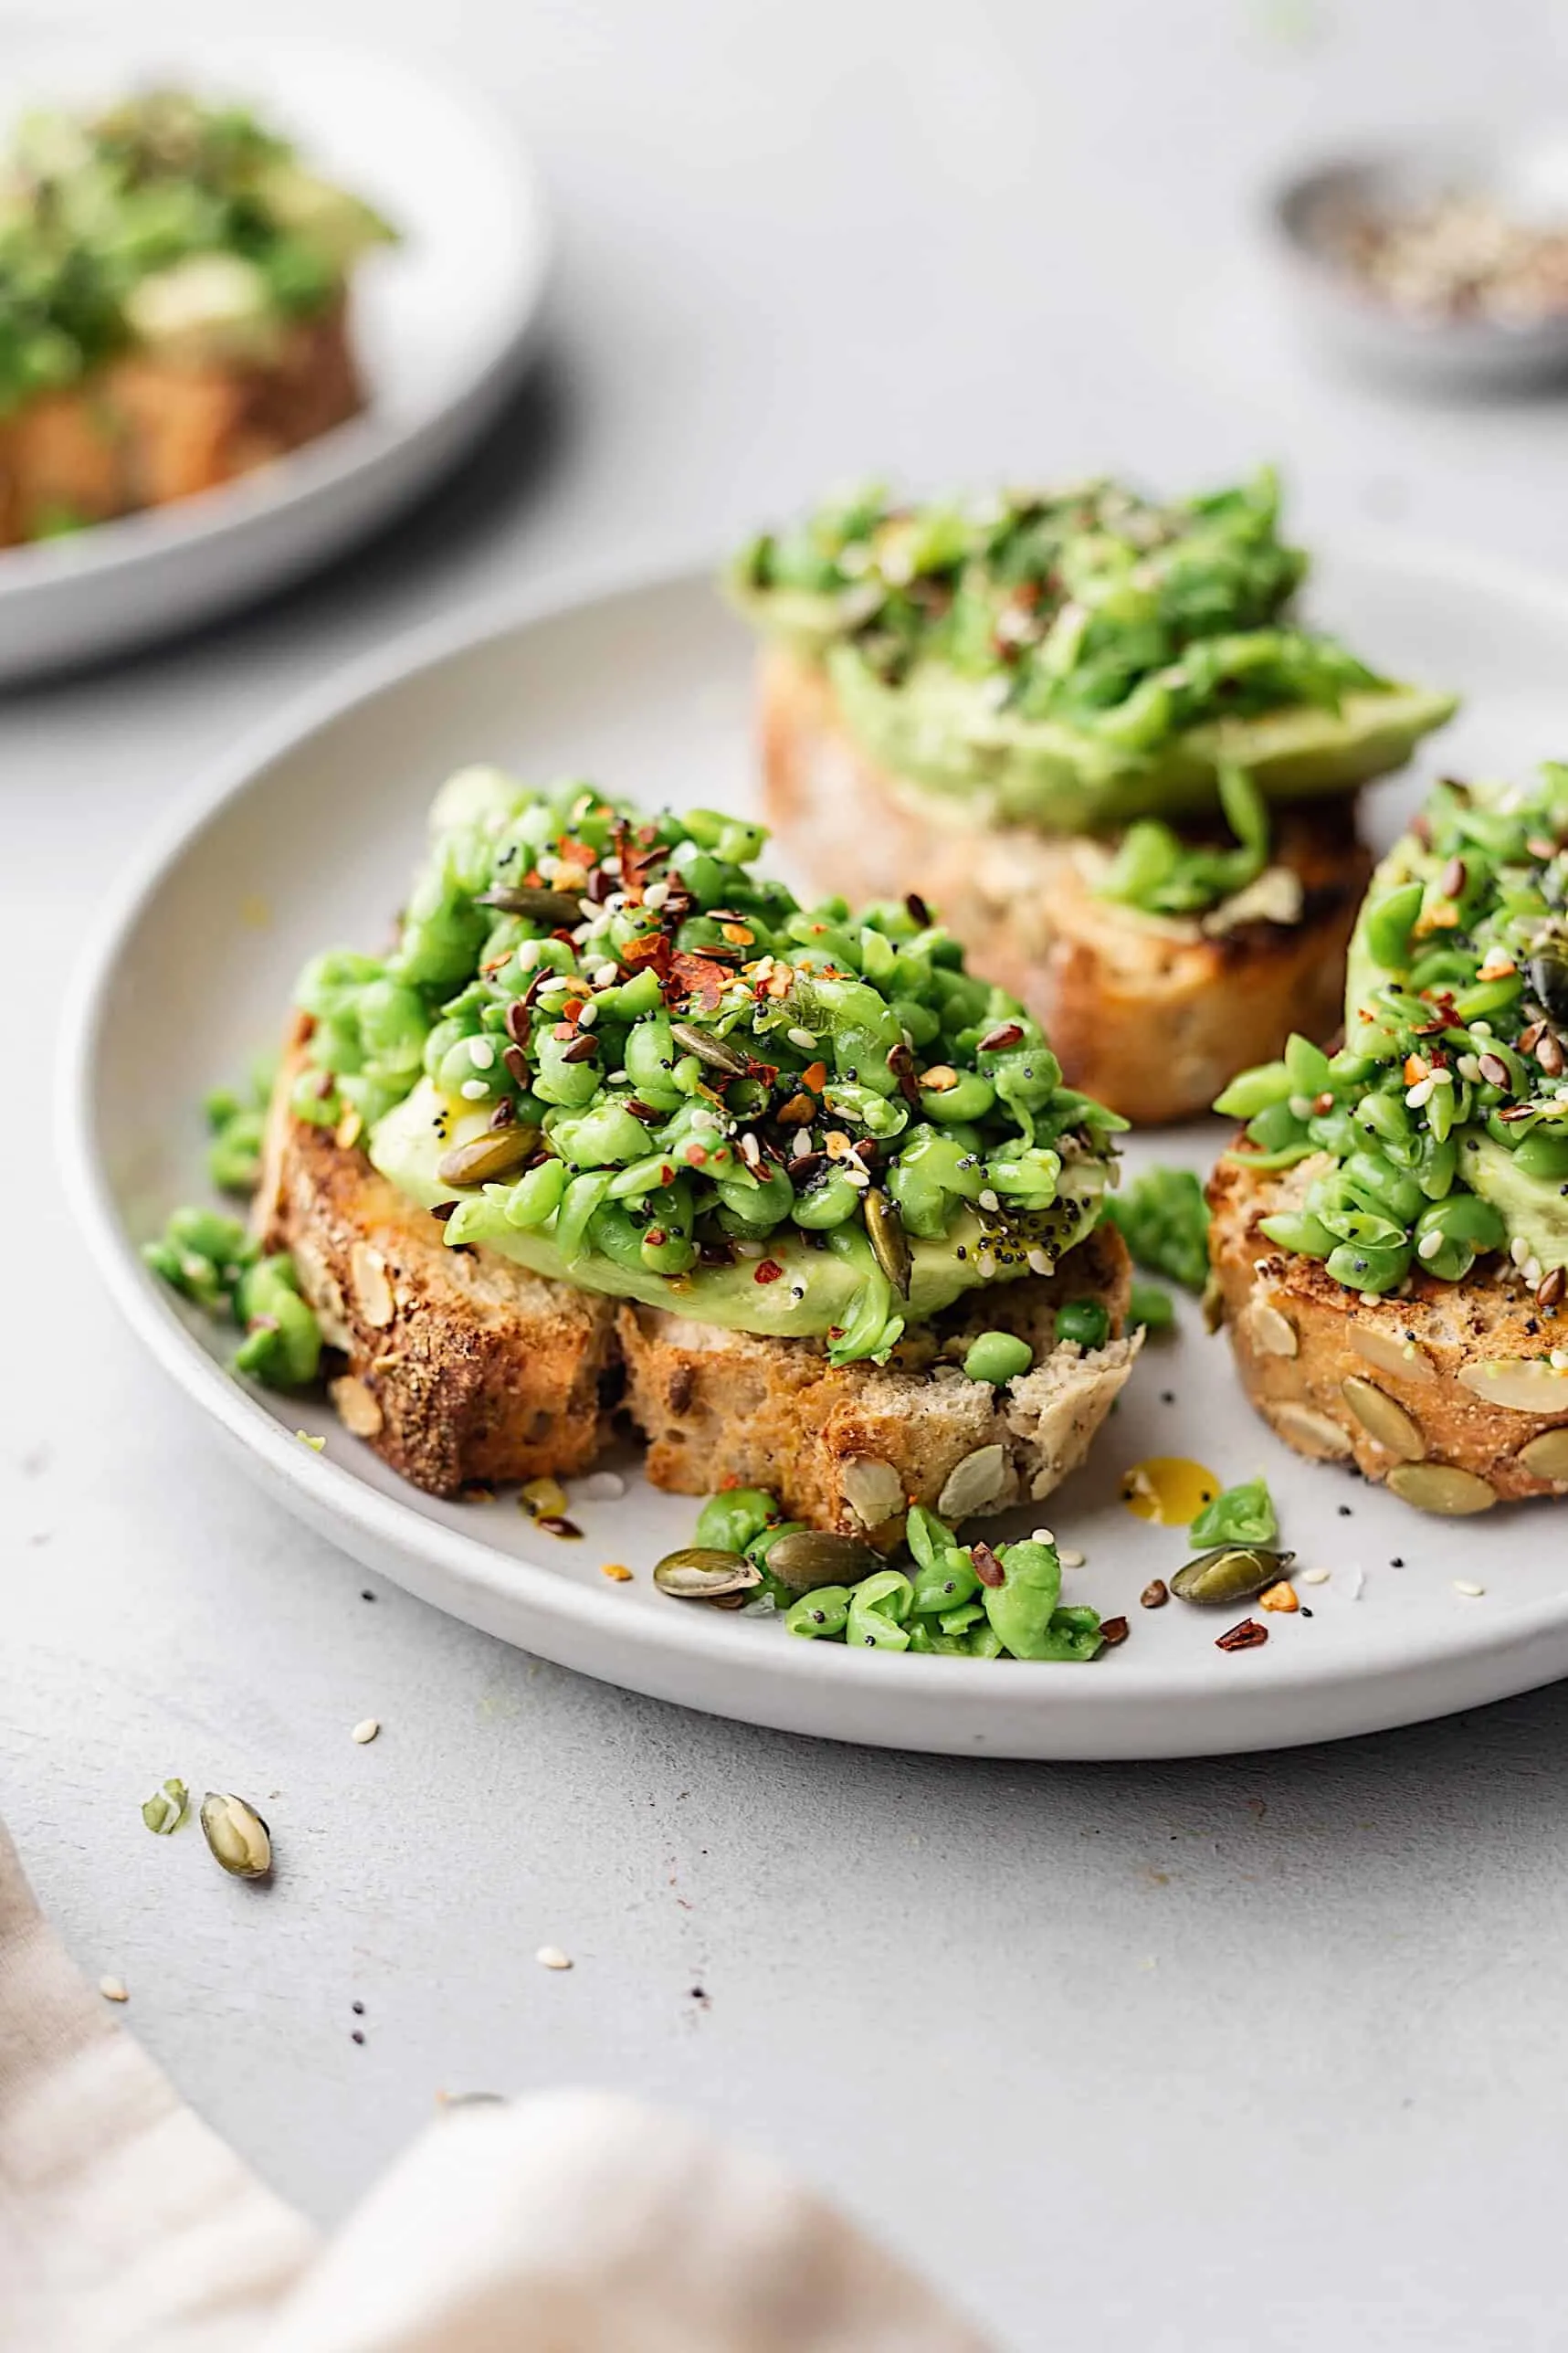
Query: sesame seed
{"points": [[1471, 1591], [603, 1487], [473, 1090], [481, 1053], [113, 1989], [1315, 1575], [803, 1038], [365, 1730], [550, 1957], [604, 974], [1420, 1093], [1042, 1535], [988, 1199], [655, 894], [1429, 1245], [1070, 1559]]}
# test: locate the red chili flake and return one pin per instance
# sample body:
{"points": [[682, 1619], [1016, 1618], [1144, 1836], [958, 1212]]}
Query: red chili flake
{"points": [[564, 1032], [1113, 1630], [648, 948], [799, 1112], [1323, 1103], [696, 1155], [1248, 1635], [656, 1237], [666, 1173], [699, 980], [769, 1270], [987, 1567], [997, 1040]]}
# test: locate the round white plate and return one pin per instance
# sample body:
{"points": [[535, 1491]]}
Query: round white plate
{"points": [[443, 323], [306, 837]]}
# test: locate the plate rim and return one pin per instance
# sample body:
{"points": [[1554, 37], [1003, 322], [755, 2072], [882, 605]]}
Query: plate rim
{"points": [[327, 1493], [349, 453]]}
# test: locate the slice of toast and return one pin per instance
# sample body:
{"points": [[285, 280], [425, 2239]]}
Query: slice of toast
{"points": [[143, 430], [461, 1366], [1402, 1388], [1151, 1014]]}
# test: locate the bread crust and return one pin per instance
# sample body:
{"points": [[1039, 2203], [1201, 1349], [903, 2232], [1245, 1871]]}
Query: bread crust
{"points": [[1299, 1337], [1152, 1016], [460, 1366], [143, 432]]}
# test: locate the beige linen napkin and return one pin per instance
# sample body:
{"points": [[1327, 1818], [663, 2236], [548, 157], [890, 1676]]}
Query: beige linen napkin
{"points": [[570, 2222]]}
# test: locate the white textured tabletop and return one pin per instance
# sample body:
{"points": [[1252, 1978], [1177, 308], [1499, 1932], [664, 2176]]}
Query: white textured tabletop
{"points": [[1262, 2052]]}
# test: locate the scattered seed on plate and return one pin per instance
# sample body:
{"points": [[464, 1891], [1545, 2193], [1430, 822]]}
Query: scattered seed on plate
{"points": [[616, 1571], [554, 1523], [603, 1487], [365, 1730], [1279, 1596], [550, 1957], [1070, 1559], [316, 1445], [1155, 1594], [1315, 1575], [1464, 1585], [113, 1989]]}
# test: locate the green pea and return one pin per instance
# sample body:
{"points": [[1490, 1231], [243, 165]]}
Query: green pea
{"points": [[820, 1615], [728, 1522], [1084, 1321], [1367, 1177], [573, 1086], [1150, 1309], [211, 1235], [1029, 1179], [283, 1344], [1303, 1235], [534, 1200], [1387, 922], [833, 1201], [606, 1136], [878, 1605], [999, 1358], [1240, 1516], [233, 1156], [1307, 1064], [1363, 1266], [959, 1620], [1253, 1090], [393, 1024], [1544, 1153], [1020, 1607], [971, 1099]]}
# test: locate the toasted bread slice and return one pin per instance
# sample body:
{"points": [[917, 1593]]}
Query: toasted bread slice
{"points": [[1448, 1394], [460, 1367], [850, 1448], [463, 1367], [143, 430], [1151, 1014]]}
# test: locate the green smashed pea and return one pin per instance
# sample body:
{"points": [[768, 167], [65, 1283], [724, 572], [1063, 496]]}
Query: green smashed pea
{"points": [[1163, 1220], [1000, 1356], [698, 1073], [728, 1522], [1085, 1321], [1456, 1002], [1240, 1516], [212, 1260], [1150, 1309]]}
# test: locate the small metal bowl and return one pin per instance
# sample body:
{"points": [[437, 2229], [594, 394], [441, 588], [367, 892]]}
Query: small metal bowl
{"points": [[1523, 170]]}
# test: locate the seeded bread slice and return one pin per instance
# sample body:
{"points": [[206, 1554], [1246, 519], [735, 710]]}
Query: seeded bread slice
{"points": [[461, 1366], [1448, 1396], [458, 1365], [1151, 1015], [143, 430], [849, 1449]]}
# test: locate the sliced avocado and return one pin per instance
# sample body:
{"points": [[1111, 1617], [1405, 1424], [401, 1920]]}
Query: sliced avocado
{"points": [[1533, 1208], [938, 729], [405, 1147]]}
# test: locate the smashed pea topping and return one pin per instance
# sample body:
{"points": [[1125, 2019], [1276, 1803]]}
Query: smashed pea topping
{"points": [[1450, 1093], [211, 1261], [660, 1064], [114, 225], [1163, 1220], [1092, 606]]}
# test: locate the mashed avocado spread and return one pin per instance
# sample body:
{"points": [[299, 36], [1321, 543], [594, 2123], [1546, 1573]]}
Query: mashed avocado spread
{"points": [[604, 1048], [1440, 1130], [163, 224], [1077, 659]]}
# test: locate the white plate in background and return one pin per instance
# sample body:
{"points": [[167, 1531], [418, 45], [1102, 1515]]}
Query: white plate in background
{"points": [[443, 325], [306, 837]]}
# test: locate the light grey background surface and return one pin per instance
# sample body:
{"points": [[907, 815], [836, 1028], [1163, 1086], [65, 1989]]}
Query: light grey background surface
{"points": [[1267, 2053]]}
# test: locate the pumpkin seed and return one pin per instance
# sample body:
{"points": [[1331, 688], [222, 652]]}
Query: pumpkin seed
{"points": [[702, 1573], [237, 1834], [1545, 1457], [499, 1152], [812, 1556], [873, 1490], [1440, 1487], [1385, 1423], [1548, 976], [540, 906], [973, 1483], [1272, 1331], [1405, 1359], [1526, 1384], [717, 1052], [889, 1245], [1229, 1573], [1309, 1431]]}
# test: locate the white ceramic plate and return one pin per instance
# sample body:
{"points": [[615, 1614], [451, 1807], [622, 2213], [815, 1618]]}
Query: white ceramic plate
{"points": [[443, 323], [306, 838]]}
